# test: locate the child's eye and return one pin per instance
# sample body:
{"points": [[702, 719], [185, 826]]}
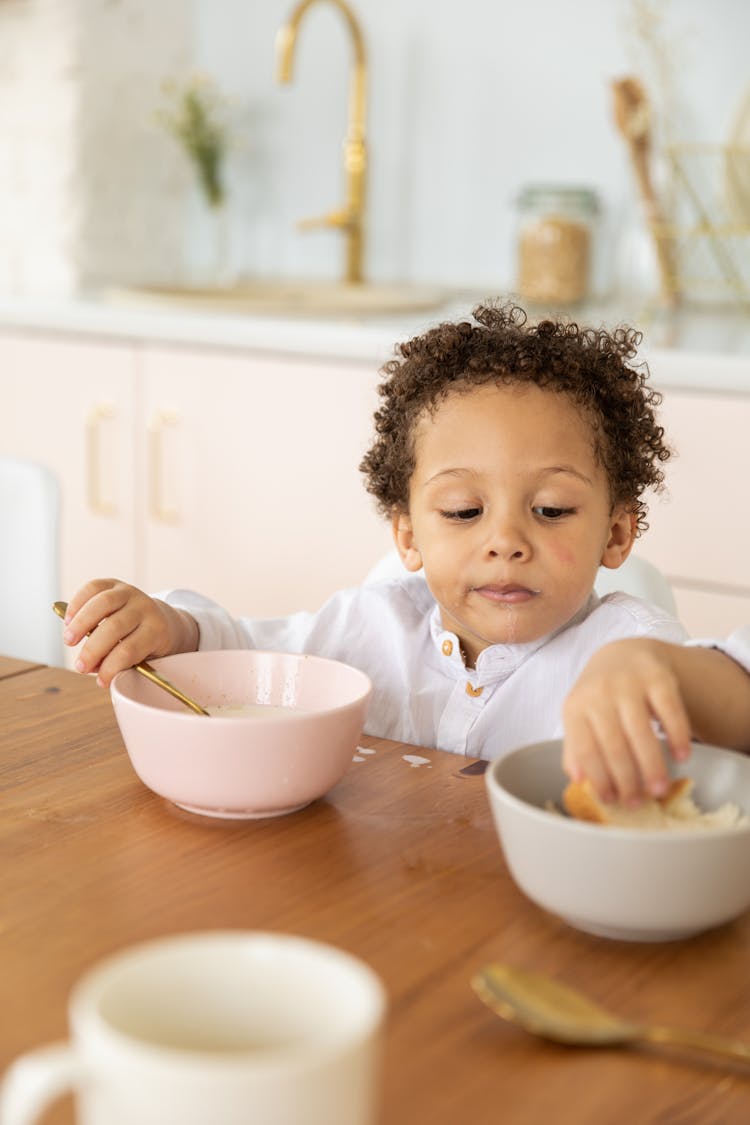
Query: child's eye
{"points": [[462, 514], [549, 513]]}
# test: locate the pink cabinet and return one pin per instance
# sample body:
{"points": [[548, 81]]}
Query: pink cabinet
{"points": [[254, 496], [70, 403], [699, 533], [229, 472]]}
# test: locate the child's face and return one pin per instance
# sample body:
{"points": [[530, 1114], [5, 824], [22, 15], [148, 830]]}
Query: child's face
{"points": [[509, 514]]}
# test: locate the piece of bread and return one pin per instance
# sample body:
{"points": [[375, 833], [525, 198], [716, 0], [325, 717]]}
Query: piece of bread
{"points": [[676, 809]]}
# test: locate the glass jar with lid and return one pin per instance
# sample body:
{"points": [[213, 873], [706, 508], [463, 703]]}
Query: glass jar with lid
{"points": [[556, 228]]}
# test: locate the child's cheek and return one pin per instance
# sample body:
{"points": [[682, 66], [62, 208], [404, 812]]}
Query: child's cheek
{"points": [[564, 555]]}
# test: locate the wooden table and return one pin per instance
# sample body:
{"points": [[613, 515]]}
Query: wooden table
{"points": [[14, 666], [400, 865]]}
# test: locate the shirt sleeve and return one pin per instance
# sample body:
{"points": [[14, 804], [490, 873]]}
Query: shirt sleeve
{"points": [[736, 646], [219, 630]]}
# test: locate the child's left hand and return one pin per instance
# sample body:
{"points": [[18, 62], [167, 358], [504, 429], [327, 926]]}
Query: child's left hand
{"points": [[609, 715]]}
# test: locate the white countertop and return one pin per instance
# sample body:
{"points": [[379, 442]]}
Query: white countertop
{"points": [[369, 339], [694, 348]]}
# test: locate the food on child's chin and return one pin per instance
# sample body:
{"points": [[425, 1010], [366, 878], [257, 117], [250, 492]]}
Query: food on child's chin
{"points": [[675, 810], [253, 711]]}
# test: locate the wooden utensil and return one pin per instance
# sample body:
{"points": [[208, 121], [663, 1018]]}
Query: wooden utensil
{"points": [[633, 119]]}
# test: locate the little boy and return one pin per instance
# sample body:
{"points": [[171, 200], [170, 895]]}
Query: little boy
{"points": [[511, 461]]}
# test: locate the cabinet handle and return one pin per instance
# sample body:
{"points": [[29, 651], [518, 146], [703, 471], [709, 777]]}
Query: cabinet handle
{"points": [[97, 502], [160, 511]]}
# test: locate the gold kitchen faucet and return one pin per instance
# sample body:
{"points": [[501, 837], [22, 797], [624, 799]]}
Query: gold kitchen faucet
{"points": [[350, 217]]}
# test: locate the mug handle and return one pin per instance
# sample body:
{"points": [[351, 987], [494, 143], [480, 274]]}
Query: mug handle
{"points": [[35, 1080]]}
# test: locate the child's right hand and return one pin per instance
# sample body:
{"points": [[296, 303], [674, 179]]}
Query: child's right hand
{"points": [[125, 627]]}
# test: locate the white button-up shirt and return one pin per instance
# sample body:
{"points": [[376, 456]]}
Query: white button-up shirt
{"points": [[422, 691]]}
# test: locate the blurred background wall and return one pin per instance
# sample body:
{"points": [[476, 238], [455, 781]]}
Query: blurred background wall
{"points": [[468, 101]]}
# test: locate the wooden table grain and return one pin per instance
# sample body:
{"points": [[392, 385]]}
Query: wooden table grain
{"points": [[399, 864], [14, 666]]}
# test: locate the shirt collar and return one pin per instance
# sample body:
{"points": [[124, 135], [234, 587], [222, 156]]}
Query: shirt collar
{"points": [[498, 661]]}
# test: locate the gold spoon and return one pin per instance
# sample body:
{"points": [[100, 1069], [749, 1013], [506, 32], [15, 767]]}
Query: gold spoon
{"points": [[552, 1010], [150, 673]]}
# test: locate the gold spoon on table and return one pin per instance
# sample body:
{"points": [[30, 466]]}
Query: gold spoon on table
{"points": [[554, 1011], [150, 673]]}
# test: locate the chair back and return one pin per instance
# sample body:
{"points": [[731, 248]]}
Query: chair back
{"points": [[640, 578], [29, 561]]}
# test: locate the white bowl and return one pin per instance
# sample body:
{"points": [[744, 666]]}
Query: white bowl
{"points": [[623, 883], [236, 765]]}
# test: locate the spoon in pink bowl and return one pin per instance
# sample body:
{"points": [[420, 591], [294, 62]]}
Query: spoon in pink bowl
{"points": [[150, 673]]}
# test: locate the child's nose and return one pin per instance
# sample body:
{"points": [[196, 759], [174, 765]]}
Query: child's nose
{"points": [[507, 540]]}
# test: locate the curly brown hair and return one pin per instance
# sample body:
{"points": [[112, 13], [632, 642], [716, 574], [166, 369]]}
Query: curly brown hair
{"points": [[589, 365]]}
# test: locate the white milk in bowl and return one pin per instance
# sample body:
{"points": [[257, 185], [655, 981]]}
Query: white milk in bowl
{"points": [[253, 711]]}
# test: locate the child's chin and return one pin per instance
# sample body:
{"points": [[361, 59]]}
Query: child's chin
{"points": [[520, 634], [520, 627], [520, 638]]}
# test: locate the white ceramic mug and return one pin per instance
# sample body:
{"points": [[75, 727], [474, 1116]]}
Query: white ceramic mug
{"points": [[216, 1028]]}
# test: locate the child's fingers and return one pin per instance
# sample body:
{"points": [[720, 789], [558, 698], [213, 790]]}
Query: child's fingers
{"points": [[582, 759], [119, 626], [670, 712], [131, 631], [105, 637], [645, 747], [610, 716], [131, 650], [616, 741], [86, 592], [108, 617], [613, 747], [91, 605], [629, 748]]}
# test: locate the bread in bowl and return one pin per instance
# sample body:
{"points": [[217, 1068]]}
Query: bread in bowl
{"points": [[676, 809]]}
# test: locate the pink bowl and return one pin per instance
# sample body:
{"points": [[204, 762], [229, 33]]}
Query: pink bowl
{"points": [[243, 766]]}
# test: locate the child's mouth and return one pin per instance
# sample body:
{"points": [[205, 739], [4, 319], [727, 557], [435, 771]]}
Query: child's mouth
{"points": [[506, 595]]}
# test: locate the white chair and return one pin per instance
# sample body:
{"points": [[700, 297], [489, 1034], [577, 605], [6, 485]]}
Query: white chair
{"points": [[29, 562], [640, 578], [636, 576]]}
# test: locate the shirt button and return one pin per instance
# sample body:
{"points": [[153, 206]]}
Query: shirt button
{"points": [[447, 647], [473, 691]]}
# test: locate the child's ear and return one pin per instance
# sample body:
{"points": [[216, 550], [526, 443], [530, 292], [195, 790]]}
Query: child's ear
{"points": [[622, 530], [403, 537]]}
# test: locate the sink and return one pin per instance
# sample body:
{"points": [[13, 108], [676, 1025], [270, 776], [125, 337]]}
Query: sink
{"points": [[290, 298]]}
